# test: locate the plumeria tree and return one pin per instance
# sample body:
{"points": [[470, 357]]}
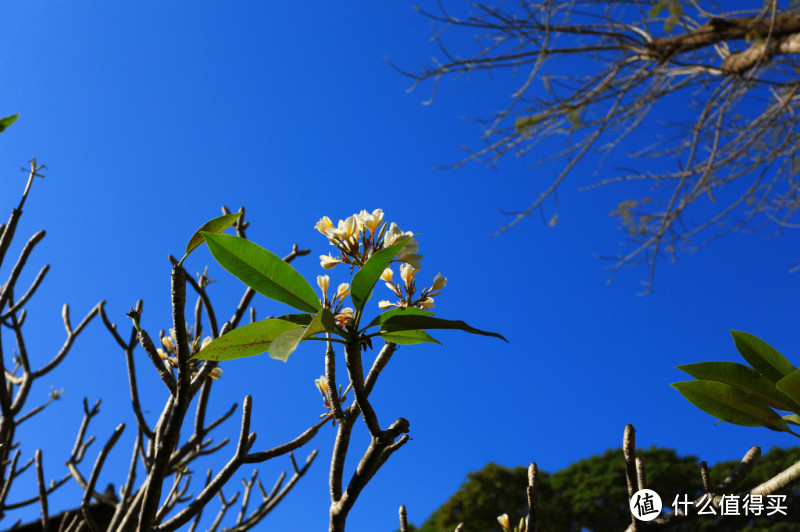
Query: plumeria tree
{"points": [[369, 247]]}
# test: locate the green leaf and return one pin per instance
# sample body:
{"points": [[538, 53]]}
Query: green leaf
{"points": [[263, 271], [729, 404], [299, 319], [417, 336], [657, 8], [285, 344], [413, 322], [383, 316], [370, 272], [744, 378], [524, 123], [759, 354], [7, 121], [670, 23], [794, 419], [249, 340], [215, 226], [790, 385]]}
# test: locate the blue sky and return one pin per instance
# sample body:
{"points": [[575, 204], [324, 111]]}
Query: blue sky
{"points": [[150, 117]]}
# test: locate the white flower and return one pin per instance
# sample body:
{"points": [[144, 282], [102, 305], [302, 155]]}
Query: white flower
{"points": [[215, 373], [323, 225], [427, 303], [439, 282], [166, 341], [393, 234], [383, 305], [503, 520], [342, 292], [345, 317], [387, 275], [409, 253], [370, 221], [328, 261], [323, 281], [322, 385], [346, 229], [407, 273]]}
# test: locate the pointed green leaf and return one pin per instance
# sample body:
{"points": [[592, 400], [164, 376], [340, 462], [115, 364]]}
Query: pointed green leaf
{"points": [[790, 385], [7, 121], [383, 316], [215, 226], [249, 340], [743, 377], [409, 337], [412, 322], [285, 344], [263, 271], [729, 404], [764, 358], [370, 272], [794, 419]]}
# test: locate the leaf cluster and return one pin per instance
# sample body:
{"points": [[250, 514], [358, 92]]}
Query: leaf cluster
{"points": [[747, 395], [269, 275]]}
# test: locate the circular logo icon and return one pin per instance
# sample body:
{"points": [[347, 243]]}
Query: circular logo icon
{"points": [[646, 505]]}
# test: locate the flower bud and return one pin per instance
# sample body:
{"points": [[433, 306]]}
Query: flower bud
{"points": [[166, 341], [504, 522], [439, 282], [322, 282]]}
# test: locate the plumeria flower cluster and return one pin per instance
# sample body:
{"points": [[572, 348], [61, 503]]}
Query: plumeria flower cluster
{"points": [[169, 353], [409, 288], [322, 386], [344, 315], [361, 235], [506, 524]]}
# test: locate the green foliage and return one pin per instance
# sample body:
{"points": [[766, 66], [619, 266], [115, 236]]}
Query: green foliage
{"points": [[492, 491], [409, 337], [673, 7], [409, 322], [592, 495], [7, 121], [285, 344], [731, 404], [246, 341], [370, 256], [765, 359], [366, 277], [746, 396], [381, 318], [214, 226], [263, 271], [524, 123]]}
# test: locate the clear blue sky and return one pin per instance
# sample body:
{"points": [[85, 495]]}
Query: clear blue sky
{"points": [[150, 117]]}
